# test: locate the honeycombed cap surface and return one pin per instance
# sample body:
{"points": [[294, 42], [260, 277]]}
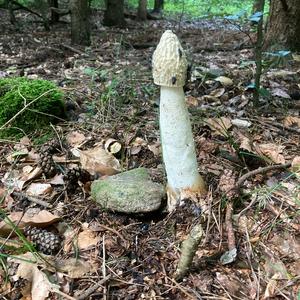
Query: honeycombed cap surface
{"points": [[169, 61]]}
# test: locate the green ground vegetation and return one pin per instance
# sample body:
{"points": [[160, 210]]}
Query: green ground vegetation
{"points": [[27, 105], [194, 8]]}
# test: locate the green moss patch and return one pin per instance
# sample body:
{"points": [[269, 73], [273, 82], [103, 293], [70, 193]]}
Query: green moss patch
{"points": [[46, 105]]}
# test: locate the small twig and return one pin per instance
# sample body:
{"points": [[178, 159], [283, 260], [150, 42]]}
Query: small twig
{"points": [[104, 265], [281, 126], [188, 250], [25, 107], [93, 288], [282, 216], [229, 227], [64, 295], [27, 9], [247, 207], [74, 50], [259, 171], [10, 243], [182, 289], [114, 231], [33, 199], [210, 200]]}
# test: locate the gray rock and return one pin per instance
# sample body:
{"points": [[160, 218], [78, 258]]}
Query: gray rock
{"points": [[128, 192]]}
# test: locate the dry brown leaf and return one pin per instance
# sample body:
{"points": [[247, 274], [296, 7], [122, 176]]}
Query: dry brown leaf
{"points": [[155, 148], [40, 285], [137, 145], [39, 189], [75, 138], [277, 274], [192, 101], [87, 238], [70, 236], [75, 268], [245, 143], [280, 93], [58, 179], [296, 164], [20, 219], [97, 160], [226, 81], [291, 121], [272, 151], [217, 92], [34, 173], [210, 99], [219, 126]]}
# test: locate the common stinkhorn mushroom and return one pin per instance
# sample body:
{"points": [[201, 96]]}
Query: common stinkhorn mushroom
{"points": [[179, 155]]}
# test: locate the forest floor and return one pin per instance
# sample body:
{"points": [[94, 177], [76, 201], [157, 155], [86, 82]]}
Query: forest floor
{"points": [[111, 95]]}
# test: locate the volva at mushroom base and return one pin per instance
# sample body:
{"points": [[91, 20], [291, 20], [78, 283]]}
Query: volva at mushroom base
{"points": [[179, 155]]}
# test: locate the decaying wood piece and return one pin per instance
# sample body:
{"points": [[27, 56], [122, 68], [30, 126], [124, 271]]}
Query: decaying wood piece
{"points": [[188, 250]]}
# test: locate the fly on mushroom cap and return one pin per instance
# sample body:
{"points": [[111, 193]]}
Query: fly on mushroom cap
{"points": [[169, 62]]}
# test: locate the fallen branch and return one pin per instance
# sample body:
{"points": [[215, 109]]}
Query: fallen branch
{"points": [[33, 199], [229, 227], [259, 171], [188, 250], [93, 288], [25, 107], [281, 126], [74, 50]]}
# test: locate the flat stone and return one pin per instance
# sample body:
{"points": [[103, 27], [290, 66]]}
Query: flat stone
{"points": [[128, 192]]}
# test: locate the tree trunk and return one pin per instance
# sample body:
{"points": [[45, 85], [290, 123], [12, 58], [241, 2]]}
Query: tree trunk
{"points": [[158, 6], [80, 25], [284, 25], [142, 10], [114, 14], [54, 14], [255, 6]]}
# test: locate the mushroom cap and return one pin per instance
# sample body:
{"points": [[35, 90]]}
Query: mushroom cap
{"points": [[169, 61]]}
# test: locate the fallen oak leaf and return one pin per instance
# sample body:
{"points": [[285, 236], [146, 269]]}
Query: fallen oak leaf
{"points": [[19, 219], [97, 160]]}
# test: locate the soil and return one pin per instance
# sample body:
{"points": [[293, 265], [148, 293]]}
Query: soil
{"points": [[110, 94]]}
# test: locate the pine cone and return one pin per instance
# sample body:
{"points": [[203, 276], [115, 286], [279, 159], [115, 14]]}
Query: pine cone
{"points": [[72, 177], [46, 161], [45, 241]]}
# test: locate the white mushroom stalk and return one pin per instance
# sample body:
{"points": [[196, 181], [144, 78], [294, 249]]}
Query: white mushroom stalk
{"points": [[179, 155]]}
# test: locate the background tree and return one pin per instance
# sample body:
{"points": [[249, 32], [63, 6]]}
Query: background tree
{"points": [[142, 10], [80, 25], [284, 24], [114, 13], [158, 6], [53, 4]]}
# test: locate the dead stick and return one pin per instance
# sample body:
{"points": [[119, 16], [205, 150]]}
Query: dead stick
{"points": [[25, 107], [33, 199], [281, 126], [229, 227], [259, 171], [93, 288], [188, 250]]}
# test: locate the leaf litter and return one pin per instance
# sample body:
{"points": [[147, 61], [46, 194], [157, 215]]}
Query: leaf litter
{"points": [[116, 102]]}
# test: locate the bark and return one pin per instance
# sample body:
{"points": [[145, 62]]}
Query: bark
{"points": [[80, 25], [284, 25], [158, 6], [54, 14], [260, 5], [142, 10], [114, 14]]}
